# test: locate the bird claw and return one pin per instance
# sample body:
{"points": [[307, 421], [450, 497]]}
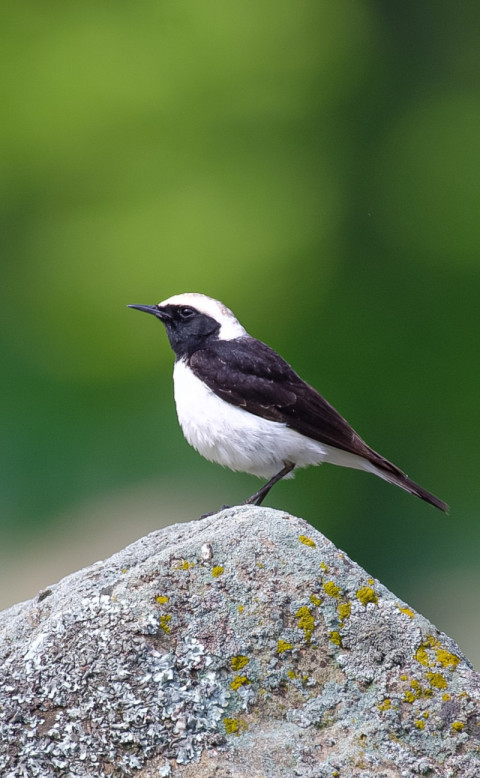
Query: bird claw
{"points": [[206, 515]]}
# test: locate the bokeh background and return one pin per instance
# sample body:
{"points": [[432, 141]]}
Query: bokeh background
{"points": [[313, 164]]}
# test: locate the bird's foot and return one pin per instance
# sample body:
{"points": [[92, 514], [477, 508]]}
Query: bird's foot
{"points": [[223, 508]]}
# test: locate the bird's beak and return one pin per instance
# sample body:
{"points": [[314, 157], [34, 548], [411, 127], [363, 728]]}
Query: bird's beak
{"points": [[163, 315]]}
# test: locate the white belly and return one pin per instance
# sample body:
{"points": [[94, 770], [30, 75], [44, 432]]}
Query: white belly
{"points": [[235, 438]]}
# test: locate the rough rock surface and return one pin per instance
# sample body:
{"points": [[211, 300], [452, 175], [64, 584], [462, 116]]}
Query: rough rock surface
{"points": [[244, 645]]}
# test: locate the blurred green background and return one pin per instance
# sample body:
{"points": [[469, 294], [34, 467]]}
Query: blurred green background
{"points": [[316, 166]]}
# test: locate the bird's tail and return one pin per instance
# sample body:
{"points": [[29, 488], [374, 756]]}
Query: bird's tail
{"points": [[391, 473]]}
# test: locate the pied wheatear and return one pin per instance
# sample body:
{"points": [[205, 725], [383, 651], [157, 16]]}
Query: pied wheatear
{"points": [[241, 405]]}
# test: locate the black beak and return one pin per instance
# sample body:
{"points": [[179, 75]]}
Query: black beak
{"points": [[151, 309]]}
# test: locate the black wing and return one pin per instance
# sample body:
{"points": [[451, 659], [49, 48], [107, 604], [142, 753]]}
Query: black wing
{"points": [[249, 374]]}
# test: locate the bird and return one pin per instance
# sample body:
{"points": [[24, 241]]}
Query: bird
{"points": [[241, 405]]}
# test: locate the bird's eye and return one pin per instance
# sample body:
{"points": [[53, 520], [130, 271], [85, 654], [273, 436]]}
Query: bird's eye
{"points": [[186, 312]]}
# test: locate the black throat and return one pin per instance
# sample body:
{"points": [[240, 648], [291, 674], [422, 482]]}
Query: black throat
{"points": [[186, 337]]}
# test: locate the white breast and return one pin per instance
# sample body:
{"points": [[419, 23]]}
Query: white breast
{"points": [[235, 438]]}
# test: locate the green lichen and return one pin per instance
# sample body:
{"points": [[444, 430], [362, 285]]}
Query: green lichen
{"points": [[385, 705], [282, 646], [447, 659], [164, 622], [239, 661], [437, 681], [305, 622], [217, 571], [315, 600], [307, 541], [331, 588], [335, 638], [407, 611], [344, 609], [234, 726], [231, 726], [184, 565], [239, 680], [366, 594], [422, 656], [442, 656]]}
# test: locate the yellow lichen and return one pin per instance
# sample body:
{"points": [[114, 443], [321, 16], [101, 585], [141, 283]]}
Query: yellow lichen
{"points": [[335, 638], [292, 674], [422, 656], [406, 611], [239, 680], [366, 594], [458, 726], [419, 724], [315, 600], [305, 622], [447, 659], [231, 726], [161, 599], [331, 588], [234, 726], [283, 646], [217, 570], [239, 661], [324, 567], [442, 656], [404, 677], [184, 565], [371, 581], [409, 697], [240, 608], [344, 609], [426, 714], [446, 697], [385, 705], [164, 622], [307, 541], [437, 680]]}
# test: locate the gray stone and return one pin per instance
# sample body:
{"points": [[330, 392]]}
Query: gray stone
{"points": [[271, 656]]}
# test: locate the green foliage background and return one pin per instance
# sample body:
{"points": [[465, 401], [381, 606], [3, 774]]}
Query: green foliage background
{"points": [[313, 164]]}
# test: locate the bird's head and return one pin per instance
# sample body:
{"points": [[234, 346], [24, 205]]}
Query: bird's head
{"points": [[192, 319]]}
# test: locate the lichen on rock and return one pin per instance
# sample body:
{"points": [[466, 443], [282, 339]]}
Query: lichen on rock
{"points": [[149, 664]]}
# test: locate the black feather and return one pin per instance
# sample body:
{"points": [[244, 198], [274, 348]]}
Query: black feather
{"points": [[249, 374]]}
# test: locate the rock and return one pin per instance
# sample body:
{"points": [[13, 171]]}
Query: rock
{"points": [[238, 646]]}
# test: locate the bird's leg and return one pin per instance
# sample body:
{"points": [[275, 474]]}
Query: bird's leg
{"points": [[213, 513], [258, 497]]}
